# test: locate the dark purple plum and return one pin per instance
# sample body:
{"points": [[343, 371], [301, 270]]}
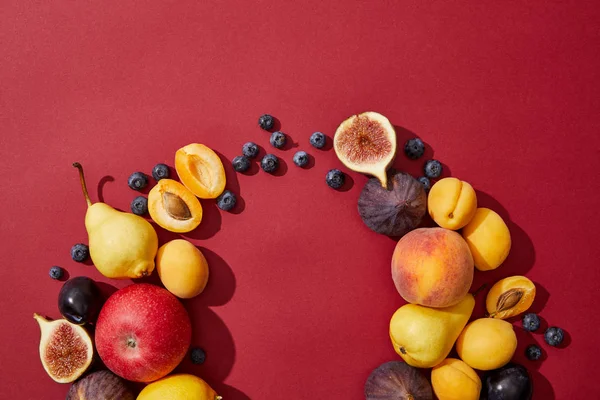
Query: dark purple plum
{"points": [[511, 382], [80, 300]]}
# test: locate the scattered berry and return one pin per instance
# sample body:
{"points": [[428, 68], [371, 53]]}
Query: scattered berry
{"points": [[137, 181], [335, 179], [250, 150], [270, 163], [80, 252], [317, 140], [414, 148], [425, 182], [197, 355], [226, 201], [139, 205], [266, 122], [433, 169], [241, 163], [56, 272], [531, 322], [160, 171], [554, 336], [301, 159], [278, 139], [533, 352]]}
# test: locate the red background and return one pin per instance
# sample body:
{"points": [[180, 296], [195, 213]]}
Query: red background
{"points": [[504, 93]]}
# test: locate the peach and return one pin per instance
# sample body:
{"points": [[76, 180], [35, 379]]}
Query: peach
{"points": [[453, 379], [452, 203], [488, 238], [432, 267]]}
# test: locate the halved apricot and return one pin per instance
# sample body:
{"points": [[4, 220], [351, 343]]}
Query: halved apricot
{"points": [[172, 206], [200, 170]]}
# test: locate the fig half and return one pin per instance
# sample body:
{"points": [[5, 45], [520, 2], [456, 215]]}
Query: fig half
{"points": [[366, 143], [66, 349], [396, 380], [396, 209]]}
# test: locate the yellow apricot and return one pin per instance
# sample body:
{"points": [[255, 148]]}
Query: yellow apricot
{"points": [[182, 268], [173, 207], [510, 297], [488, 238], [453, 379], [487, 343], [200, 170], [452, 203]]}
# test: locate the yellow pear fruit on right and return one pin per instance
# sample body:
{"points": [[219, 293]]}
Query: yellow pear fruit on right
{"points": [[182, 268], [487, 343], [488, 238], [510, 297], [122, 245], [452, 203], [178, 387], [453, 379], [424, 336]]}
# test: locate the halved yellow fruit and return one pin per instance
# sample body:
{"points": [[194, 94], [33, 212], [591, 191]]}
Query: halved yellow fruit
{"points": [[201, 171], [172, 206]]}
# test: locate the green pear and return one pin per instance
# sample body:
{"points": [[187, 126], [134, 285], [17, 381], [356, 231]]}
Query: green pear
{"points": [[122, 245], [424, 336]]}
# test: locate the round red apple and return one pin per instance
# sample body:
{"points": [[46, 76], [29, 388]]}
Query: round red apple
{"points": [[143, 332]]}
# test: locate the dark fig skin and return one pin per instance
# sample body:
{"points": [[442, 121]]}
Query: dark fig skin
{"points": [[511, 382], [396, 380], [100, 385], [80, 300], [394, 211]]}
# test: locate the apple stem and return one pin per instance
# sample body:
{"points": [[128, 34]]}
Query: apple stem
{"points": [[83, 185], [475, 293]]}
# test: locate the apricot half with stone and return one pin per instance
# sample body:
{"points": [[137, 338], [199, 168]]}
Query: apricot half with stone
{"points": [[201, 171], [510, 297], [366, 143], [173, 207]]}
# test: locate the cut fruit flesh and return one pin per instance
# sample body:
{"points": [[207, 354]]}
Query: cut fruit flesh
{"points": [[200, 170], [366, 143], [173, 207], [66, 350]]}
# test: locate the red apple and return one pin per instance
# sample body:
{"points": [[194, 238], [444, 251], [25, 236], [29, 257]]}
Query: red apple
{"points": [[143, 332]]}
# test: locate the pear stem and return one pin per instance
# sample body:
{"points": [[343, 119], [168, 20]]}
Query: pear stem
{"points": [[475, 293], [83, 185]]}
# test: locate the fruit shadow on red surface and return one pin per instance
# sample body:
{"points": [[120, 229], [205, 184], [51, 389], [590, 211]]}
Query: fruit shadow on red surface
{"points": [[348, 183], [289, 143], [105, 179], [283, 168]]}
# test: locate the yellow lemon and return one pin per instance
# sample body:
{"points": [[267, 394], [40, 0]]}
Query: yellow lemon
{"points": [[178, 387]]}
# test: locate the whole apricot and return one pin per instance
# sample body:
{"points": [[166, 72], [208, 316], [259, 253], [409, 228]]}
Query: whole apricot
{"points": [[453, 379], [488, 238], [182, 268], [487, 343], [452, 203]]}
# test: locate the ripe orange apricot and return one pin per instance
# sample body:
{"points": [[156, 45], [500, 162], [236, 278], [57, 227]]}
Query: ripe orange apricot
{"points": [[201, 171], [174, 207]]}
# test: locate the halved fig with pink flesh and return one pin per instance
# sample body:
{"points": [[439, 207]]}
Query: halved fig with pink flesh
{"points": [[366, 143]]}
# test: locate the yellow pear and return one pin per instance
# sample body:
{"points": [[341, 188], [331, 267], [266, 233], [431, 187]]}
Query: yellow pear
{"points": [[122, 245], [424, 336]]}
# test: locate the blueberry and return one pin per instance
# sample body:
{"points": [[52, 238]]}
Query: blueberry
{"points": [[301, 159], [554, 336], [335, 179], [414, 148], [533, 352], [160, 171], [80, 252], [425, 182], [197, 355], [241, 163], [433, 169], [139, 205], [270, 163], [317, 140], [137, 181], [56, 272], [250, 150], [266, 122], [278, 139], [226, 201], [531, 322]]}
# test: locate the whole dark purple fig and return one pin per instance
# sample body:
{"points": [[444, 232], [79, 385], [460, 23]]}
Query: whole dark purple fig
{"points": [[396, 380], [100, 385], [395, 210]]}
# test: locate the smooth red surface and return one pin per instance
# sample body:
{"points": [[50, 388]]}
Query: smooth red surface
{"points": [[300, 295]]}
